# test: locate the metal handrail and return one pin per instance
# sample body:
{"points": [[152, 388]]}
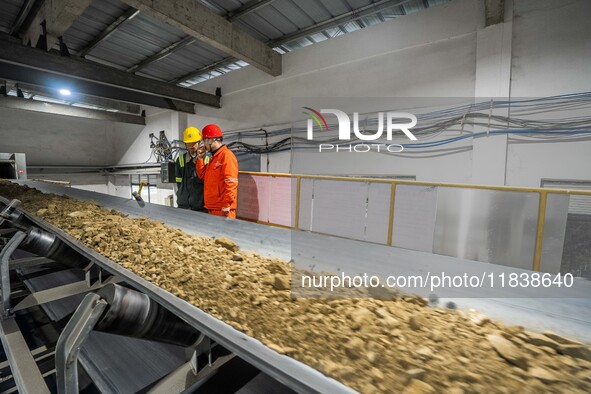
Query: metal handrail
{"points": [[542, 192]]}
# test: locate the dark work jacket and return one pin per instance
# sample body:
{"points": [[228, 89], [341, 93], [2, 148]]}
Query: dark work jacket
{"points": [[189, 193]]}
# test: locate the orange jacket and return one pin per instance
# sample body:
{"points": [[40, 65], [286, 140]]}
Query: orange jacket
{"points": [[220, 177]]}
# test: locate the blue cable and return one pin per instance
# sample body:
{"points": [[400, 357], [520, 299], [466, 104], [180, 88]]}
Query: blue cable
{"points": [[496, 132]]}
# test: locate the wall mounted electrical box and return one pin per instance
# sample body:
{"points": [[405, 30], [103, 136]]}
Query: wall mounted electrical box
{"points": [[167, 172]]}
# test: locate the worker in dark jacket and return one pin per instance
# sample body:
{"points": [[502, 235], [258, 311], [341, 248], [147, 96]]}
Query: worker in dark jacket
{"points": [[189, 193]]}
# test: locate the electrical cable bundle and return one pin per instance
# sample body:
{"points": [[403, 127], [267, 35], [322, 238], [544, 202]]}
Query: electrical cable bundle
{"points": [[161, 148], [557, 118]]}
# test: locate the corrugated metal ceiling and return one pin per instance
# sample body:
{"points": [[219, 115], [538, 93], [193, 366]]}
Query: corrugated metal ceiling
{"points": [[135, 40], [9, 10], [92, 22], [140, 37]]}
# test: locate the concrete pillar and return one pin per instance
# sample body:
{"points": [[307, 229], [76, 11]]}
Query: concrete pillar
{"points": [[493, 81], [179, 122]]}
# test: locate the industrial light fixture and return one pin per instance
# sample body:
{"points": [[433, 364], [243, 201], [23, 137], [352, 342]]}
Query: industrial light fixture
{"points": [[65, 92]]}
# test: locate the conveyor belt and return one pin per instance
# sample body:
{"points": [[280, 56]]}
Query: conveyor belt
{"points": [[106, 357], [566, 311], [39, 280], [269, 241], [103, 355], [286, 370]]}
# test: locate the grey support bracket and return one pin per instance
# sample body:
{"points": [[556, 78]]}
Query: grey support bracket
{"points": [[193, 372], [5, 214], [8, 214], [89, 272], [24, 369], [58, 293], [72, 338], [5, 255]]}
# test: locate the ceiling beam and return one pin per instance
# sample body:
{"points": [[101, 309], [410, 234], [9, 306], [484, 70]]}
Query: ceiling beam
{"points": [[82, 98], [68, 110], [246, 9], [34, 76], [127, 15], [162, 54], [95, 79], [58, 16], [198, 21], [231, 16], [367, 10], [494, 12], [22, 15], [39, 77]]}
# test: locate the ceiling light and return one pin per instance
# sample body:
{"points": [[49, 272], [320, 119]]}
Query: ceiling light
{"points": [[65, 92]]}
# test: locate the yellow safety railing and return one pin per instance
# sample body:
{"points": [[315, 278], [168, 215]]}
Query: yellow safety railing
{"points": [[543, 197]]}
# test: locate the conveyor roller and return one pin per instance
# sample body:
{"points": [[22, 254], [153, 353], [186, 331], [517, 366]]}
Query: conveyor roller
{"points": [[134, 314], [10, 217], [45, 244]]}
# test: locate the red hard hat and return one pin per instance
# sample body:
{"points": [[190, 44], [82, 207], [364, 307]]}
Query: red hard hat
{"points": [[212, 131]]}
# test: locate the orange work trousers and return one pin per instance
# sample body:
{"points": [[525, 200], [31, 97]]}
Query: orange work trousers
{"points": [[218, 212]]}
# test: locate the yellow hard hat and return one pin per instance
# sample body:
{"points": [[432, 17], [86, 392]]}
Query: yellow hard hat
{"points": [[191, 135]]}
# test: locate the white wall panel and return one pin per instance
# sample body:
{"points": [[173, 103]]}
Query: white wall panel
{"points": [[48, 139], [339, 208], [415, 209], [306, 204], [281, 200], [554, 232], [253, 197], [378, 213]]}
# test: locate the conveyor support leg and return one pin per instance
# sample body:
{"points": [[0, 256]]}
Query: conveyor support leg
{"points": [[72, 338], [5, 255]]}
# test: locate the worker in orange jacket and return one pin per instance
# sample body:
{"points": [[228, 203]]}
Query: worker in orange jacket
{"points": [[220, 175]]}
